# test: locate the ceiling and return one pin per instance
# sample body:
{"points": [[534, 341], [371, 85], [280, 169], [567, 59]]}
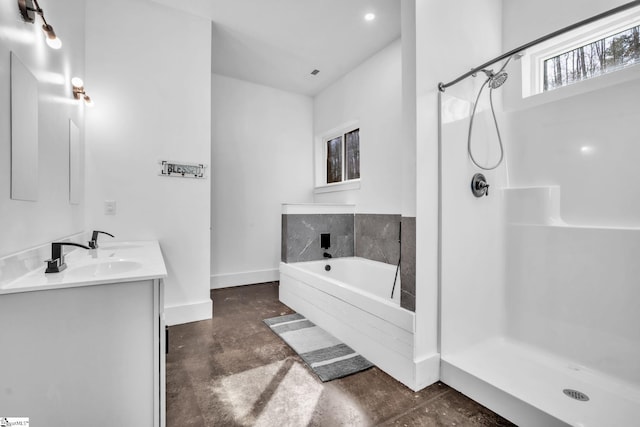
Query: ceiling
{"points": [[278, 43]]}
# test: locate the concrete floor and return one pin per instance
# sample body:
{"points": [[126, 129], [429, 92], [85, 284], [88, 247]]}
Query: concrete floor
{"points": [[233, 371]]}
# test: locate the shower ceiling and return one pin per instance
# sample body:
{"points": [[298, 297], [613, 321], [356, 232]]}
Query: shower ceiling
{"points": [[279, 42]]}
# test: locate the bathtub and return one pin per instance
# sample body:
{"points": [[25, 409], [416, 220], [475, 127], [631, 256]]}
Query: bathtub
{"points": [[353, 302]]}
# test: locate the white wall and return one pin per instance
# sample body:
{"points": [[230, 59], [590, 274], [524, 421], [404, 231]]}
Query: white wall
{"points": [[27, 224], [372, 95], [451, 37], [148, 70], [524, 21], [409, 106], [261, 157]]}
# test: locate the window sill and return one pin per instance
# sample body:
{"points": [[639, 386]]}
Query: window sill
{"points": [[339, 186]]}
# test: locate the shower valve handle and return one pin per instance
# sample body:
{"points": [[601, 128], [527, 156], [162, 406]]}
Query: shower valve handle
{"points": [[479, 186], [486, 188]]}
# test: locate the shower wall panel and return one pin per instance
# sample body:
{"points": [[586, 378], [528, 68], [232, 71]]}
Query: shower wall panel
{"points": [[573, 292], [586, 144], [572, 284], [472, 291]]}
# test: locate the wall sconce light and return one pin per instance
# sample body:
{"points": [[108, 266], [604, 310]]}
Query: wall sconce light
{"points": [[28, 10], [78, 91]]}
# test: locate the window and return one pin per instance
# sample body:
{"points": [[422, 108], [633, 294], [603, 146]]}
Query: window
{"points": [[599, 57], [597, 49], [352, 156], [334, 160], [343, 157]]}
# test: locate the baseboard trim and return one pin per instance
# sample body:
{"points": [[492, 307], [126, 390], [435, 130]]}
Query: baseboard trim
{"points": [[186, 313], [427, 371], [244, 278]]}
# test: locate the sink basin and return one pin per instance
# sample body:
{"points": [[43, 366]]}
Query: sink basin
{"points": [[119, 246], [108, 268]]}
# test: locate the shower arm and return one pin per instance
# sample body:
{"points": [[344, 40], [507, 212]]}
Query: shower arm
{"points": [[442, 86]]}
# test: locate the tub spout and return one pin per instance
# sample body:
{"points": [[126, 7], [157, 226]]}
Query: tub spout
{"points": [[327, 255]]}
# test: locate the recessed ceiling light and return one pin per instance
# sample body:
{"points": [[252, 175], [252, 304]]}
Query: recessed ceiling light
{"points": [[369, 16]]}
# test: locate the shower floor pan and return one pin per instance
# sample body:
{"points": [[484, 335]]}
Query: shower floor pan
{"points": [[525, 385]]}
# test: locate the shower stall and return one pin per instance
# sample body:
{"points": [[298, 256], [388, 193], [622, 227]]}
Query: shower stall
{"points": [[540, 278]]}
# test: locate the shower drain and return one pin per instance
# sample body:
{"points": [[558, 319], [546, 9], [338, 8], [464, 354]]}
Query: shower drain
{"points": [[575, 394]]}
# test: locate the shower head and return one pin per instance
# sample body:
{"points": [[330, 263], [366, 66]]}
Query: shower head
{"points": [[495, 80], [498, 80]]}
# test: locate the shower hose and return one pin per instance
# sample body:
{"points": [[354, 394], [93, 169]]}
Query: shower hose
{"points": [[495, 121]]}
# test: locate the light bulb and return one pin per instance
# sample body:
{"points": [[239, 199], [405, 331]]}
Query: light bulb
{"points": [[54, 43], [77, 82], [52, 40], [369, 16]]}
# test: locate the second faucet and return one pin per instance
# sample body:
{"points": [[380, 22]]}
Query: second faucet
{"points": [[93, 243]]}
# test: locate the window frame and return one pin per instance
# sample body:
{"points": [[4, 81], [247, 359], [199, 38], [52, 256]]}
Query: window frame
{"points": [[533, 59], [321, 157], [341, 150]]}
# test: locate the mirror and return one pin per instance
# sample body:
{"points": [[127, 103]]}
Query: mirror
{"points": [[24, 132], [75, 190]]}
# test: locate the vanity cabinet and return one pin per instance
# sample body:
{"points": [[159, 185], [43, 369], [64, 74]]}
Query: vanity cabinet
{"points": [[84, 355]]}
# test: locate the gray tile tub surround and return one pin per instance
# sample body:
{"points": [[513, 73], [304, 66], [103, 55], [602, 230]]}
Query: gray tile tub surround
{"points": [[378, 237], [301, 236], [408, 264]]}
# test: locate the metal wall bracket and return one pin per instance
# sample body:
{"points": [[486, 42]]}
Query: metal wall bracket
{"points": [[182, 170]]}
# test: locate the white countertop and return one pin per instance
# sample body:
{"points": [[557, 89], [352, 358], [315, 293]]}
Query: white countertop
{"points": [[112, 262]]}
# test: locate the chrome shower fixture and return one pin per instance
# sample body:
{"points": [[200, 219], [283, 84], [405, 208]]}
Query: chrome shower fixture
{"points": [[498, 80], [479, 186], [494, 81]]}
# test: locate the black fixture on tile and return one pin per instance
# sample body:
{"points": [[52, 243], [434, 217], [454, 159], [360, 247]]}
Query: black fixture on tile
{"points": [[325, 240], [56, 263], [93, 243], [327, 255]]}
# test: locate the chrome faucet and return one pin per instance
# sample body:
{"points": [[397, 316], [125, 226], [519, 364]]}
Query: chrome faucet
{"points": [[93, 243], [56, 263]]}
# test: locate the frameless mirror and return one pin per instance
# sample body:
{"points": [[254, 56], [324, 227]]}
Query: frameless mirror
{"points": [[24, 132], [75, 182]]}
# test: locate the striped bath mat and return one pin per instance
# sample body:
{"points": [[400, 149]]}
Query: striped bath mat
{"points": [[326, 355]]}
